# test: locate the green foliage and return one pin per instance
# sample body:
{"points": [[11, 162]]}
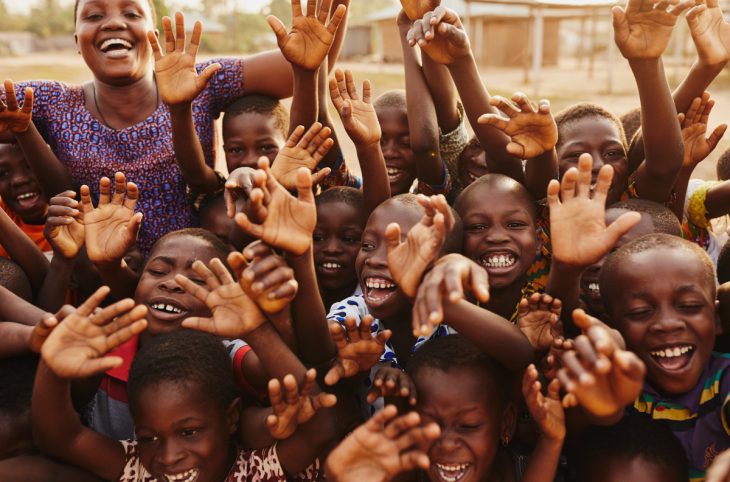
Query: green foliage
{"points": [[50, 19]]}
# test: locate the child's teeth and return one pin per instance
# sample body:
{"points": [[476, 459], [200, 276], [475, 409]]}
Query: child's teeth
{"points": [[499, 261], [594, 287], [671, 352], [27, 195], [331, 265]]}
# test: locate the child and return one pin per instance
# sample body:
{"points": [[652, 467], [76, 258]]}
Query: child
{"points": [[659, 291], [476, 415], [14, 279], [633, 449], [340, 222], [182, 396], [472, 163]]}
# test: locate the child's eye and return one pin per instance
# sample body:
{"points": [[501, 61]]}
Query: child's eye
{"points": [[614, 154], [366, 246], [146, 439], [468, 427], [4, 173], [516, 224], [189, 432], [268, 149], [691, 308], [572, 156], [132, 15], [93, 16], [234, 150], [351, 240], [476, 227], [155, 272], [316, 237], [639, 314]]}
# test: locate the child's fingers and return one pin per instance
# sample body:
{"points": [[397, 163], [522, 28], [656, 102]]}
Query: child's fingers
{"points": [[220, 270], [108, 313], [321, 175], [504, 105], [244, 223], [287, 290], [237, 263], [126, 333], [415, 459], [119, 324], [195, 39], [382, 337], [377, 422], [553, 389], [365, 328], [545, 301], [307, 385], [392, 237], [208, 72], [523, 103], [304, 186], [630, 364], [516, 149], [194, 289], [66, 198], [341, 85], [585, 175], [677, 10], [179, 32], [324, 400], [335, 374], [577, 369], [278, 27], [324, 10], [401, 425], [310, 135], [120, 188], [716, 135], [523, 307], [273, 279], [28, 101], [93, 301], [568, 384], [263, 261], [296, 8], [494, 120], [104, 190], [336, 20], [567, 185], [366, 91], [337, 99], [351, 328], [585, 350], [291, 390], [324, 145], [201, 324], [257, 249], [10, 99], [130, 201], [418, 436], [479, 280], [211, 280], [100, 365], [621, 226]]}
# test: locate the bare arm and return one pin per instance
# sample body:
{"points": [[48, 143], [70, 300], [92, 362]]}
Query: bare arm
{"points": [[23, 251], [51, 174]]}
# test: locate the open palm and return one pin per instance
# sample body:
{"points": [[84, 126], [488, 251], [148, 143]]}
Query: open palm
{"points": [[357, 349], [358, 116], [177, 78], [111, 228], [12, 117], [642, 33], [287, 221], [710, 32], [308, 42], [76, 347], [301, 150]]}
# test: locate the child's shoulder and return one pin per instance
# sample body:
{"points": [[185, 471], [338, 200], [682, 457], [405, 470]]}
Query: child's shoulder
{"points": [[263, 465], [351, 306]]}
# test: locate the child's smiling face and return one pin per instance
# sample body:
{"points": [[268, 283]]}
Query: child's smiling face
{"points": [[472, 421], [599, 137], [182, 432], [383, 298], [19, 188], [111, 36], [248, 136], [665, 310], [336, 243], [167, 302], [472, 164], [499, 230], [396, 145]]}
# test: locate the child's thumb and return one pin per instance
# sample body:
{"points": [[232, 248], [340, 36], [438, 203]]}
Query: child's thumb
{"points": [[392, 236], [278, 27]]}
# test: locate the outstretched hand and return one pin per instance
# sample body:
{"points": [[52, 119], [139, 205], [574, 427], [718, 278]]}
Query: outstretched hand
{"points": [[14, 118], [357, 350], [76, 347], [233, 313], [65, 225], [286, 222], [694, 127], [111, 228], [578, 228], [294, 405], [642, 28], [710, 32], [358, 116], [531, 132], [408, 260], [311, 36], [441, 35], [177, 78], [382, 448], [302, 150], [538, 317], [546, 410]]}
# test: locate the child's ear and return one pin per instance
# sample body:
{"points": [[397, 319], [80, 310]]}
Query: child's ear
{"points": [[76, 41], [508, 424], [233, 414]]}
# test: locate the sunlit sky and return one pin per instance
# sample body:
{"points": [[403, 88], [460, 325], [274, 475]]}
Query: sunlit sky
{"points": [[246, 5]]}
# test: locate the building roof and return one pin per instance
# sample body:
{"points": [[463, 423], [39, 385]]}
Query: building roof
{"points": [[508, 8]]}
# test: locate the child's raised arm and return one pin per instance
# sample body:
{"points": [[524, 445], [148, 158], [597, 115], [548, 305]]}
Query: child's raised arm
{"points": [[23, 251], [75, 349], [440, 297], [382, 448], [642, 35], [111, 229], [179, 84], [533, 136], [422, 122], [441, 36], [578, 230], [361, 124], [49, 171], [306, 46]]}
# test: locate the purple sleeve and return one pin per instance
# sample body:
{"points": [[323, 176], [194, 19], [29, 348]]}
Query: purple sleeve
{"points": [[224, 87]]}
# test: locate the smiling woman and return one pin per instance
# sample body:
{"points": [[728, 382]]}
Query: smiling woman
{"points": [[117, 121]]}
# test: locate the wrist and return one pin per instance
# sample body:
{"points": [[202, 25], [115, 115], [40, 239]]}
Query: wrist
{"points": [[259, 335], [567, 269], [463, 61], [710, 68], [180, 109], [367, 147], [300, 71], [641, 64]]}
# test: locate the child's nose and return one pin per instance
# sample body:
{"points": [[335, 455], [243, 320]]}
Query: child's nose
{"points": [[667, 322], [332, 246], [497, 234], [169, 454], [170, 285], [449, 440]]}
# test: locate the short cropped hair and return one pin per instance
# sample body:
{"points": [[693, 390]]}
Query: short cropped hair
{"points": [[342, 194], [215, 242], [455, 351], [631, 438], [395, 98], [631, 121], [496, 180], [663, 218], [186, 357], [259, 104], [648, 243], [723, 166], [14, 279], [585, 110]]}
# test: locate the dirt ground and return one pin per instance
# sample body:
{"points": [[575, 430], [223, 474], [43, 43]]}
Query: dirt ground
{"points": [[563, 85]]}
